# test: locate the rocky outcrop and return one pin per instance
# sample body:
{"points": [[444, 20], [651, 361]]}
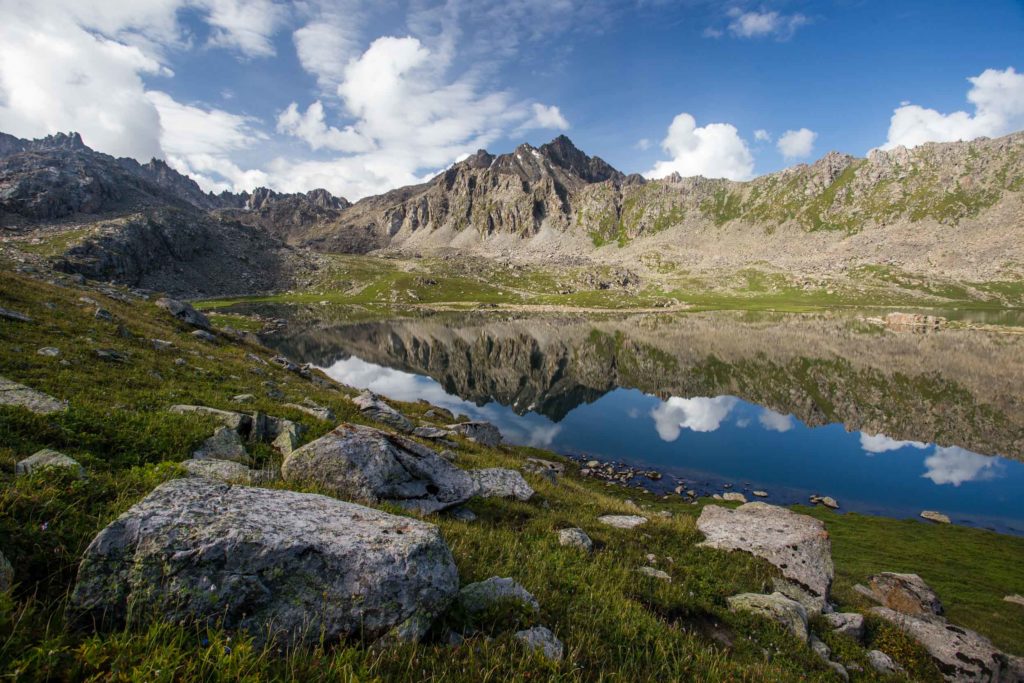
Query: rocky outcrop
{"points": [[367, 464], [276, 564], [797, 544]]}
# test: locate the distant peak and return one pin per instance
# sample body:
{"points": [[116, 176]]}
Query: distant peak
{"points": [[563, 153]]}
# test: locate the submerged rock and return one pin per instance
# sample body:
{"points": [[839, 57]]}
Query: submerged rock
{"points": [[47, 458], [277, 564], [14, 394], [797, 544], [776, 606], [541, 639]]}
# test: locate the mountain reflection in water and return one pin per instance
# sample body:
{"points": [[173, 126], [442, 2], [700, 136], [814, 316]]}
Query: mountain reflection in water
{"points": [[887, 423]]}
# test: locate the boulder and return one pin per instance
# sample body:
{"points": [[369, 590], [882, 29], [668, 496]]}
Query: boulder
{"points": [[847, 623], [482, 595], [225, 444], [498, 482], [374, 407], [14, 394], [6, 574], [961, 654], [184, 312], [622, 521], [280, 565], [797, 544], [907, 593], [776, 606], [218, 470], [46, 458], [882, 663], [484, 433], [575, 538], [542, 640], [371, 465]]}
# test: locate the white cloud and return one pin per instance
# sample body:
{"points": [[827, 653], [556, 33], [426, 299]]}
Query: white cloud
{"points": [[761, 135], [955, 465], [764, 24], [310, 126], [643, 144], [329, 39], [547, 117], [998, 99], [775, 422], [715, 151], [244, 24], [797, 144], [699, 414], [880, 443]]}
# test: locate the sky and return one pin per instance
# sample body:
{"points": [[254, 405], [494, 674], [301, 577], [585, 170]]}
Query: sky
{"points": [[362, 97]]}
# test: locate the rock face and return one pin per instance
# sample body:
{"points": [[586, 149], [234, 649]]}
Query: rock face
{"points": [[363, 463], [484, 433], [541, 639], [47, 458], [961, 654], [14, 394], [777, 606], [373, 406], [497, 482], [797, 544], [906, 593], [276, 564]]}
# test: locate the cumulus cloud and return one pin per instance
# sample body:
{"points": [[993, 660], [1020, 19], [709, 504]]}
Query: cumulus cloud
{"points": [[998, 100], [545, 116], [797, 144], [880, 443], [699, 414], [714, 151], [764, 24], [775, 422], [955, 465], [761, 135], [243, 24], [311, 127]]}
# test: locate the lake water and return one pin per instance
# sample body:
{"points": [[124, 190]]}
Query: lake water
{"points": [[887, 423]]}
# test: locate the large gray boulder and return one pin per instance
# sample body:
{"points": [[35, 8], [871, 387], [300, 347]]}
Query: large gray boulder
{"points": [[184, 312], [961, 654], [498, 482], [778, 607], [797, 544], [367, 464], [376, 408], [47, 458], [907, 593], [484, 433], [288, 566], [14, 394]]}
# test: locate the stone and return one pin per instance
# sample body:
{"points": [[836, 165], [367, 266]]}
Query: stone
{"points": [[219, 470], [734, 497], [847, 623], [240, 422], [482, 595], [50, 351], [373, 406], [47, 458], [778, 607], [112, 355], [961, 654], [797, 544], [204, 336], [463, 514], [543, 467], [287, 438], [184, 312], [498, 482], [280, 565], [371, 465], [484, 433], [14, 394], [8, 314], [311, 408], [819, 648], [882, 663], [760, 494], [622, 521], [161, 344], [654, 573], [906, 593], [243, 398], [1015, 599], [593, 464], [575, 538], [103, 314], [937, 517], [542, 640], [6, 574], [430, 433], [225, 444], [829, 502]]}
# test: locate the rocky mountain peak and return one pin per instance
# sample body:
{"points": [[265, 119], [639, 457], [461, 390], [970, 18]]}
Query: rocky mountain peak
{"points": [[563, 153]]}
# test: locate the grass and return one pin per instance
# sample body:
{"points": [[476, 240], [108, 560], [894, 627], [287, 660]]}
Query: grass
{"points": [[616, 624]]}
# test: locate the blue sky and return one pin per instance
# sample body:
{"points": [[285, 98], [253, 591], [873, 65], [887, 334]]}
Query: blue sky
{"points": [[361, 97]]}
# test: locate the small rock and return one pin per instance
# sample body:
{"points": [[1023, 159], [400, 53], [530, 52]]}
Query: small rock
{"points": [[46, 458], [243, 398], [463, 514], [575, 538], [14, 394], [184, 312], [847, 623], [622, 521], [777, 606], [498, 482], [1015, 599], [906, 593], [654, 573], [820, 648], [8, 314], [760, 494], [219, 470], [484, 433], [430, 433], [593, 464], [240, 422], [541, 639], [829, 502], [373, 406], [50, 351], [317, 411], [112, 355], [482, 595], [204, 335], [882, 663], [937, 517], [225, 444], [103, 314], [161, 344], [735, 497]]}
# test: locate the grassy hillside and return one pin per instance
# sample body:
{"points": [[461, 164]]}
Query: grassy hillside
{"points": [[616, 624]]}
